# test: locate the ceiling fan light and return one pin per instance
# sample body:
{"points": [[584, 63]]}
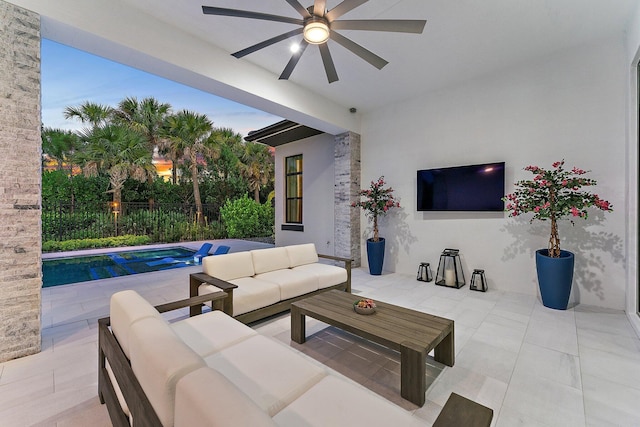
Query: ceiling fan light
{"points": [[316, 32]]}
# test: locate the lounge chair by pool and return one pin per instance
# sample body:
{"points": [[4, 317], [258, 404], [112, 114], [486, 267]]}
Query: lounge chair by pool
{"points": [[221, 250], [201, 253]]}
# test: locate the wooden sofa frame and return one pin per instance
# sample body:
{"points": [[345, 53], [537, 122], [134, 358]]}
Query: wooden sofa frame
{"points": [[109, 349], [197, 279]]}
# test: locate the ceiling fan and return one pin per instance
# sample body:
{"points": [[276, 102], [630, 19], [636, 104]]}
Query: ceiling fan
{"points": [[317, 26]]}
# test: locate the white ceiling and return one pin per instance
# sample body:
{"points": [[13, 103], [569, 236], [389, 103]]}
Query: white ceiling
{"points": [[462, 39]]}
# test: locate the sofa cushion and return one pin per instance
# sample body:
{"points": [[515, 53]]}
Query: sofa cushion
{"points": [[328, 275], [292, 283], [250, 294], [159, 359], [302, 254], [127, 308], [211, 332], [265, 260], [206, 398], [339, 402], [229, 266], [271, 374]]}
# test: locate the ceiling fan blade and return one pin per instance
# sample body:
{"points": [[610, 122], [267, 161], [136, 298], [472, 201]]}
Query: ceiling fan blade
{"points": [[209, 10], [286, 73], [363, 53], [342, 8], [269, 42], [319, 7], [393, 25], [300, 8], [329, 67]]}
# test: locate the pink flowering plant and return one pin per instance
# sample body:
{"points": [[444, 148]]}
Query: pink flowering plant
{"points": [[554, 194], [377, 202]]}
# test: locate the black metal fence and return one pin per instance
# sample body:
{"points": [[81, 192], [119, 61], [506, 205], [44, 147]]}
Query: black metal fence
{"points": [[162, 222]]}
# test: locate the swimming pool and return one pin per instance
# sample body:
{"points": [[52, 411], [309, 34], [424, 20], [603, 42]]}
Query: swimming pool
{"points": [[63, 271]]}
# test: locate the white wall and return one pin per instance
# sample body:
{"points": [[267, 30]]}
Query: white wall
{"points": [[633, 57], [571, 105], [317, 197]]}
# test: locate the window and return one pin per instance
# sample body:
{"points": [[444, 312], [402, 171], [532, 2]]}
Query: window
{"points": [[293, 189]]}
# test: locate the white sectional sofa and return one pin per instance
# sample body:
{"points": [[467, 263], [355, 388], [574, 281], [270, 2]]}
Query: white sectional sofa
{"points": [[264, 282], [212, 370]]}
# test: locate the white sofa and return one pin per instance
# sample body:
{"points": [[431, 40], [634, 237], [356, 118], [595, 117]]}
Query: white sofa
{"points": [[212, 370], [264, 282]]}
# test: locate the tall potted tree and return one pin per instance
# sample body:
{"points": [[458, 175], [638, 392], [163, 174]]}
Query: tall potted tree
{"points": [[376, 201], [554, 194]]}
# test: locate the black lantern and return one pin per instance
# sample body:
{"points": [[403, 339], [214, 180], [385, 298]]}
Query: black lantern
{"points": [[424, 272], [478, 281], [450, 269]]}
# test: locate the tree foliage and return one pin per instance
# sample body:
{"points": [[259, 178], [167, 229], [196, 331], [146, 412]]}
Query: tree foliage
{"points": [[245, 217], [116, 148]]}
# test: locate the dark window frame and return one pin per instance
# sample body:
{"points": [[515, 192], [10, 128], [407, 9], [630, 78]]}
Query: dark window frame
{"points": [[289, 219]]}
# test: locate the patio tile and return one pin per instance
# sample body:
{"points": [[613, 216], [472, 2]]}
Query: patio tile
{"points": [[31, 387], [466, 316], [542, 401], [470, 384], [45, 410], [462, 335], [555, 335], [505, 336], [609, 404], [612, 367], [437, 305], [600, 321], [487, 359], [549, 364], [617, 344]]}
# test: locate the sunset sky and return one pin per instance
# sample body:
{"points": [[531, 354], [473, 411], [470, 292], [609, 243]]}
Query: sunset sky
{"points": [[71, 77]]}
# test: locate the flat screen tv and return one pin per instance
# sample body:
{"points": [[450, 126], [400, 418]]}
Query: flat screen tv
{"points": [[462, 188]]}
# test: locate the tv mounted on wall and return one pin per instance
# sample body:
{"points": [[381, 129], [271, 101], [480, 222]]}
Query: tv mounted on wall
{"points": [[462, 188]]}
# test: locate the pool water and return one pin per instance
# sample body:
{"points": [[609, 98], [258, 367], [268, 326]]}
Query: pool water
{"points": [[62, 271]]}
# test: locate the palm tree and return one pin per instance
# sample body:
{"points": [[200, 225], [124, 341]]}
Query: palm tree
{"points": [[257, 167], [188, 134], [225, 140], [147, 117], [90, 113], [118, 151], [59, 145]]}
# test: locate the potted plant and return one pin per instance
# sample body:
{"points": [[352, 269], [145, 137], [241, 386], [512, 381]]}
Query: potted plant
{"points": [[376, 201], [554, 194]]}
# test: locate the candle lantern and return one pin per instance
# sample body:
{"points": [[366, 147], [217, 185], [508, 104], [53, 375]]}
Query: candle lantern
{"points": [[450, 269], [478, 281], [424, 272]]}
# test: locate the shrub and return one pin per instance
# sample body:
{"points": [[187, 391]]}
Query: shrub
{"points": [[245, 218], [107, 242], [78, 225]]}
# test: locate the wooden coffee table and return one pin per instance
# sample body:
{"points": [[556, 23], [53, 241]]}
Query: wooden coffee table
{"points": [[412, 333]]}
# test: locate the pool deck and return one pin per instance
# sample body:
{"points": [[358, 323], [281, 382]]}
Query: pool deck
{"points": [[235, 245]]}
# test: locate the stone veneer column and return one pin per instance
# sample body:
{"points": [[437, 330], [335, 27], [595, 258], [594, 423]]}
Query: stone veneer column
{"points": [[20, 182], [347, 186]]}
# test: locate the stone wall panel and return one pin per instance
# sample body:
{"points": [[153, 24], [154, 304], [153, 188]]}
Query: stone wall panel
{"points": [[347, 186], [20, 183]]}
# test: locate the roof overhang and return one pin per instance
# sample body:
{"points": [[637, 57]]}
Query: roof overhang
{"points": [[281, 133]]}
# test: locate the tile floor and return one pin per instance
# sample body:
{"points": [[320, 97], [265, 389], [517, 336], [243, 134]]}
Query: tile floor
{"points": [[532, 365]]}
